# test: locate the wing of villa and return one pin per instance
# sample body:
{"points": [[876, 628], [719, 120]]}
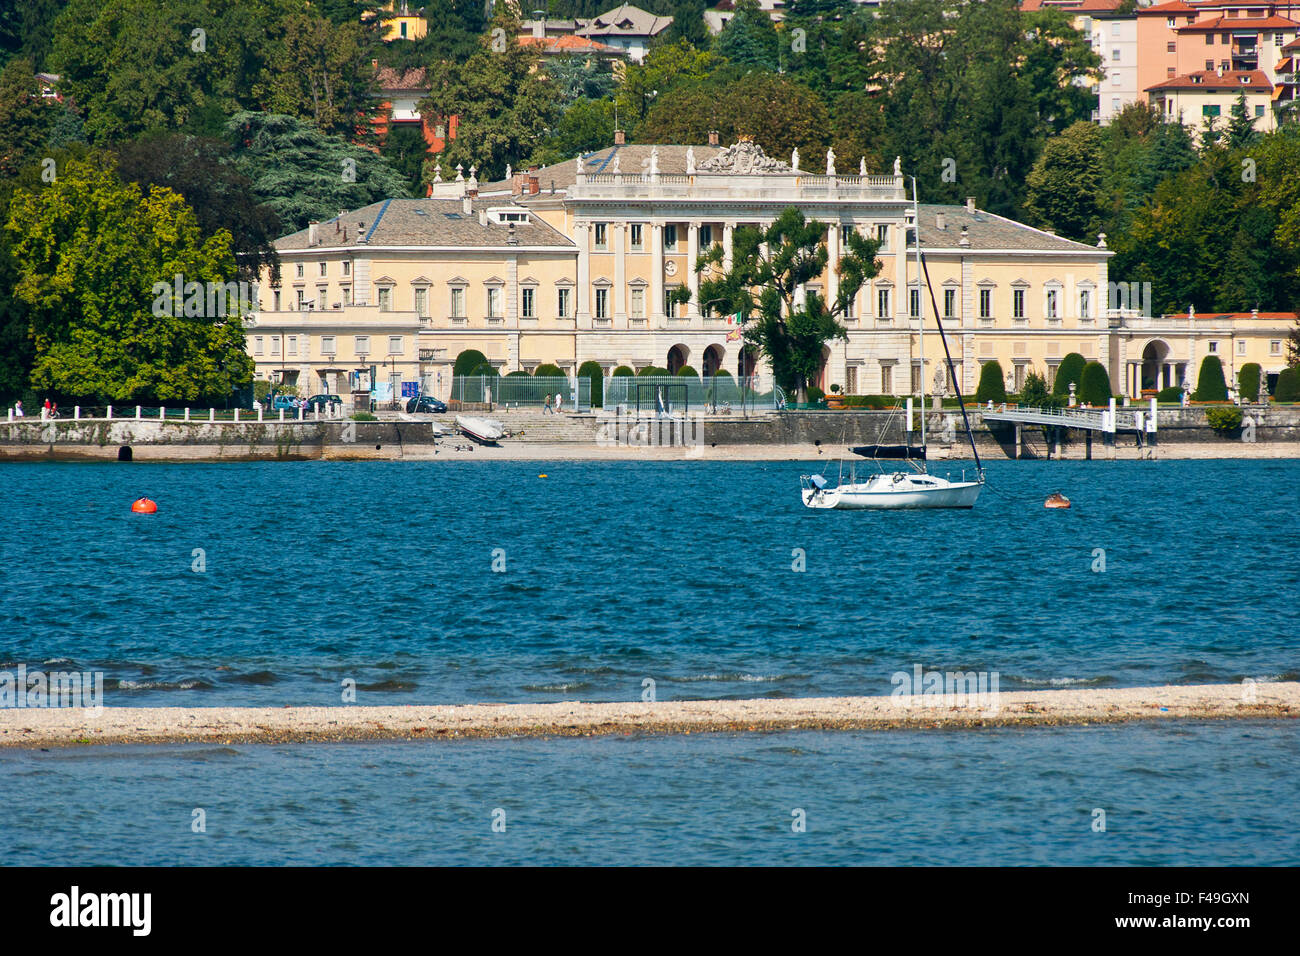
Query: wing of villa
{"points": [[576, 262]]}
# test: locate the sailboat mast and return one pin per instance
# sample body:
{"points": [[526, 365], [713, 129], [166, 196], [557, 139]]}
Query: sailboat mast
{"points": [[916, 228]]}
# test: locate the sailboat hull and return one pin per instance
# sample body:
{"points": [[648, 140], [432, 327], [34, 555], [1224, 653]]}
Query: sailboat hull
{"points": [[888, 495]]}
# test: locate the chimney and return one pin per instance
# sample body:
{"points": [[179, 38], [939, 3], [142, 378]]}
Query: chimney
{"points": [[939, 221], [970, 205], [619, 137], [466, 205], [534, 185], [713, 137], [313, 233], [539, 26]]}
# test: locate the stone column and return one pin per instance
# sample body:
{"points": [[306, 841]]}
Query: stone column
{"points": [[582, 310], [620, 275], [832, 261], [693, 310], [727, 230], [656, 304]]}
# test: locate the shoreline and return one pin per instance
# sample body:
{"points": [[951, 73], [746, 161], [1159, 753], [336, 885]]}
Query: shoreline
{"points": [[35, 728], [582, 451]]}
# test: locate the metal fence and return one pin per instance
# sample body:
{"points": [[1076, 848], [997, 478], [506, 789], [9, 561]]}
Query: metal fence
{"points": [[671, 394], [521, 391]]}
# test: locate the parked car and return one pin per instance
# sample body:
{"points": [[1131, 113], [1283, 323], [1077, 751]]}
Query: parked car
{"points": [[321, 401], [287, 402], [425, 403]]}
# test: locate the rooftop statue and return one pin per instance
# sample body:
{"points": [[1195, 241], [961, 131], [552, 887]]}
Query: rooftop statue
{"points": [[743, 158]]}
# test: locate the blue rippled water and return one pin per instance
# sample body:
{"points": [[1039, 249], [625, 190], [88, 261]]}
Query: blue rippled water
{"points": [[1185, 794], [381, 572]]}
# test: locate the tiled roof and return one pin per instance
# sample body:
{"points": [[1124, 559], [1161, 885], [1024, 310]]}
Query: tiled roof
{"points": [[424, 222], [567, 44], [1230, 24], [388, 78], [626, 21], [1211, 80], [986, 231], [1071, 6], [1173, 6]]}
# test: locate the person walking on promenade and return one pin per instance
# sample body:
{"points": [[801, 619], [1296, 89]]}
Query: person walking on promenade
{"points": [[45, 410], [18, 408], [546, 409], [559, 403]]}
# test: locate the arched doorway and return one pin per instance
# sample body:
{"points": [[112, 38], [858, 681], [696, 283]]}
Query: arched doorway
{"points": [[746, 361], [677, 358], [712, 360], [820, 380], [1154, 365]]}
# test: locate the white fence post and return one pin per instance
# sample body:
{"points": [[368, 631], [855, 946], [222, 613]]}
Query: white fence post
{"points": [[259, 415], [212, 414], [162, 413], [299, 413], [236, 414], [138, 414], [282, 414], [76, 412], [109, 413], [187, 413]]}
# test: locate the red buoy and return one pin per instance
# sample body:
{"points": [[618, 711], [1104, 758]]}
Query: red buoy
{"points": [[144, 506]]}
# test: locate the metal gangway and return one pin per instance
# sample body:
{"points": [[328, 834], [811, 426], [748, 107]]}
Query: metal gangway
{"points": [[1108, 421]]}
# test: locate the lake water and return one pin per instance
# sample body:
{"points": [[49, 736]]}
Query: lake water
{"points": [[318, 572], [314, 573]]}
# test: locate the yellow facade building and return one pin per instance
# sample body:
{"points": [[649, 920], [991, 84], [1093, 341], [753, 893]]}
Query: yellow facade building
{"points": [[576, 262]]}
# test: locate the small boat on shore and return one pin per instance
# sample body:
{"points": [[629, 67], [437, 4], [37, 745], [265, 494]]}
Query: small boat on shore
{"points": [[487, 431]]}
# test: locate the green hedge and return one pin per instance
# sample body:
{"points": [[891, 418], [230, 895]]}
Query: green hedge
{"points": [[593, 372], [517, 373], [1224, 420], [624, 370], [653, 370], [1171, 394], [1248, 381], [815, 395], [485, 369], [991, 387], [687, 372], [1070, 370], [547, 370], [1095, 385], [467, 361], [1288, 385], [1210, 384]]}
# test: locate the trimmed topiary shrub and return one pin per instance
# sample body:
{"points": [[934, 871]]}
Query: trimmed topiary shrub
{"points": [[547, 370], [1070, 370], [652, 370], [687, 372], [1095, 387], [1287, 388], [815, 395], [624, 370], [1210, 385], [467, 361], [991, 387], [517, 373], [1248, 380], [1171, 394], [485, 369], [594, 373]]}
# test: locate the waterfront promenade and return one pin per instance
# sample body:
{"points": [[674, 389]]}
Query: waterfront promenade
{"points": [[33, 728]]}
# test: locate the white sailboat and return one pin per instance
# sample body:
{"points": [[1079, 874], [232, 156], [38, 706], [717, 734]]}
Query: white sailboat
{"points": [[889, 490]]}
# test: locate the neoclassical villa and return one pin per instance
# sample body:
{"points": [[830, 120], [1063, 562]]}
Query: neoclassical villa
{"points": [[577, 261]]}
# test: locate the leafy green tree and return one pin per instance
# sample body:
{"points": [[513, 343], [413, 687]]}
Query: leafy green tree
{"points": [[749, 38], [580, 77], [587, 125], [504, 101], [667, 67], [778, 112], [1094, 387], [320, 71], [25, 118], [27, 29], [768, 267], [1241, 130], [1070, 370], [688, 22], [992, 387], [406, 151], [203, 171], [90, 252], [1064, 187], [303, 174], [1210, 384], [1288, 385]]}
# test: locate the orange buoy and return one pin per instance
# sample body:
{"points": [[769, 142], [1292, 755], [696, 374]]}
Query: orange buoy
{"points": [[1056, 500], [144, 506]]}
